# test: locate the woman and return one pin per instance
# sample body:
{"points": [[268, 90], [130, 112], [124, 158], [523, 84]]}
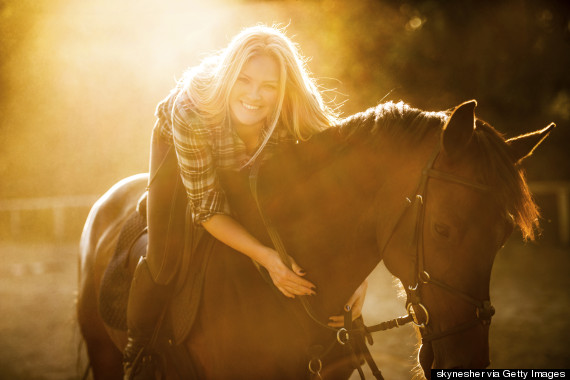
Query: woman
{"points": [[222, 114]]}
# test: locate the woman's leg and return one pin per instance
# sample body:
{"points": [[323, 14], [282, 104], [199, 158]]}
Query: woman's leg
{"points": [[166, 212], [152, 282]]}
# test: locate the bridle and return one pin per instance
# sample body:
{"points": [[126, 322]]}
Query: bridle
{"points": [[483, 308], [418, 314]]}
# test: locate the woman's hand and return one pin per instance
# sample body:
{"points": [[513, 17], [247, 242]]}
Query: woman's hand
{"points": [[355, 302], [289, 282], [230, 232]]}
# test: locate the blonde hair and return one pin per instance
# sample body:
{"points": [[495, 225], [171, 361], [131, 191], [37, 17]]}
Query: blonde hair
{"points": [[300, 107]]}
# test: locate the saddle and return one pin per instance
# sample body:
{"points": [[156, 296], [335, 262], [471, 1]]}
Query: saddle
{"points": [[116, 282]]}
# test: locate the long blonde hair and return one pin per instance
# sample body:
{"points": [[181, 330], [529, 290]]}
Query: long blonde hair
{"points": [[300, 107]]}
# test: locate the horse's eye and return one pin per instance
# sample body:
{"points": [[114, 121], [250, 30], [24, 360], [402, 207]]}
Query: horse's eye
{"points": [[441, 229]]}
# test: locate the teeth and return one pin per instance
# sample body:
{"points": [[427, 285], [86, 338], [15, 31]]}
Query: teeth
{"points": [[249, 106]]}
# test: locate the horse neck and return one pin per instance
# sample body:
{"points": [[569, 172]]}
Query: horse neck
{"points": [[329, 220], [403, 165]]}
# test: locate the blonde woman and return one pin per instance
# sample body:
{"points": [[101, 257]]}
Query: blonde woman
{"points": [[222, 114]]}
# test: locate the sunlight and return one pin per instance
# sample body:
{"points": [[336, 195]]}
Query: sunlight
{"points": [[96, 71], [80, 82]]}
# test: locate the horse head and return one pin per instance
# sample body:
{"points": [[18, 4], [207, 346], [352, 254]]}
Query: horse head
{"points": [[468, 196]]}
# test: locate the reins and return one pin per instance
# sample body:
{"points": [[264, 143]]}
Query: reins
{"points": [[344, 334], [417, 313]]}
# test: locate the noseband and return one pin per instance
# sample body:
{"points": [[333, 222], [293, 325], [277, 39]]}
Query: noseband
{"points": [[483, 308]]}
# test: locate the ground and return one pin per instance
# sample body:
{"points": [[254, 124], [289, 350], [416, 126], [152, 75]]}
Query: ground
{"points": [[529, 288]]}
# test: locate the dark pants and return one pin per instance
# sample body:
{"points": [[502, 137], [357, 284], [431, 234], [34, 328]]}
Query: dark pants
{"points": [[166, 212]]}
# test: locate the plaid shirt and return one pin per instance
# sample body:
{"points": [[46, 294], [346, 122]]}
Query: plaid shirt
{"points": [[201, 150]]}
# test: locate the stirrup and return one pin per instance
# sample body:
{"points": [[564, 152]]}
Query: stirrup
{"points": [[144, 366]]}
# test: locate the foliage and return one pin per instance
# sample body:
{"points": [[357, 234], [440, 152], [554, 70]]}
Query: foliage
{"points": [[80, 81]]}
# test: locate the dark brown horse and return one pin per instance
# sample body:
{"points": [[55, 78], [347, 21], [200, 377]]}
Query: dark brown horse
{"points": [[434, 195]]}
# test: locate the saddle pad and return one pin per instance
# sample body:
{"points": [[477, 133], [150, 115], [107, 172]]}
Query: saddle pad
{"points": [[116, 282]]}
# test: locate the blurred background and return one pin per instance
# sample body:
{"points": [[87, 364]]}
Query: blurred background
{"points": [[80, 80]]}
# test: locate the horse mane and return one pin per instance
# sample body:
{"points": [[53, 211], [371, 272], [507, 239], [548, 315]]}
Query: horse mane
{"points": [[399, 121], [489, 153], [495, 165]]}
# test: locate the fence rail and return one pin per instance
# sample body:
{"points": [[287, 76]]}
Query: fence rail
{"points": [[58, 205]]}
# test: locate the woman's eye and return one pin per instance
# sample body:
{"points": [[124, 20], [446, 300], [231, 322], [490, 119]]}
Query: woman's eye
{"points": [[441, 229]]}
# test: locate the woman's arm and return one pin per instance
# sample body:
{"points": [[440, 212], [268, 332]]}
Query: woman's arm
{"points": [[230, 232], [198, 172]]}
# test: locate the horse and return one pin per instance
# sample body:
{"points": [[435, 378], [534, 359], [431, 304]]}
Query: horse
{"points": [[434, 195]]}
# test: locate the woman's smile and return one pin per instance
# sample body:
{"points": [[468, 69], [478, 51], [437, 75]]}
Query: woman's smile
{"points": [[250, 106], [253, 97]]}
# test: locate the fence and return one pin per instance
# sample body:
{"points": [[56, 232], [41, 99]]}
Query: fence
{"points": [[59, 205]]}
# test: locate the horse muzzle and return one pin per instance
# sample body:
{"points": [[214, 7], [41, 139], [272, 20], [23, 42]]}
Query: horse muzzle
{"points": [[467, 350]]}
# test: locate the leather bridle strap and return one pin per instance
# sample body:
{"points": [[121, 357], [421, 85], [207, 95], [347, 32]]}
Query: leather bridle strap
{"points": [[438, 174], [280, 248], [277, 242], [484, 315], [344, 335], [484, 309]]}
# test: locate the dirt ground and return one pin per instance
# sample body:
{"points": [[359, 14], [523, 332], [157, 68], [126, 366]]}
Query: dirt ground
{"points": [[39, 337]]}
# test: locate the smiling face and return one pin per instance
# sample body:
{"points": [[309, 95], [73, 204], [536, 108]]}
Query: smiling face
{"points": [[254, 95]]}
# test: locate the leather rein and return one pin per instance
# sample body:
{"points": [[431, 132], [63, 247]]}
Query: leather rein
{"points": [[417, 312]]}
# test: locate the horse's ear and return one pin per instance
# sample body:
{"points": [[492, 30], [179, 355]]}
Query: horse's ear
{"points": [[459, 128], [523, 146]]}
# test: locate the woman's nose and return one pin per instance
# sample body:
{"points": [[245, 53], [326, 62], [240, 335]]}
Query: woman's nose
{"points": [[253, 92]]}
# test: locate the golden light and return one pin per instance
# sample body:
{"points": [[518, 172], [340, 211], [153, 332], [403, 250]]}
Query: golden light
{"points": [[83, 80]]}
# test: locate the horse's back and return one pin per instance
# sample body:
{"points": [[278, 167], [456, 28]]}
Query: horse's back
{"points": [[97, 244], [108, 214]]}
